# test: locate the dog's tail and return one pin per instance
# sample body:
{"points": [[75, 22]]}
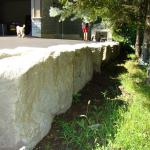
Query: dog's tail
{"points": [[24, 26]]}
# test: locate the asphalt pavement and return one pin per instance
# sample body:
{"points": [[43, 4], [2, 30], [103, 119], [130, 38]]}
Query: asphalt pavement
{"points": [[11, 42]]}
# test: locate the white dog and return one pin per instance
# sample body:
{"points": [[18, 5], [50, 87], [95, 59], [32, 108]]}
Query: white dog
{"points": [[20, 31]]}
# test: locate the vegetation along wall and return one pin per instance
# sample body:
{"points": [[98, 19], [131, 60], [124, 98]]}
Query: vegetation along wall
{"points": [[34, 91]]}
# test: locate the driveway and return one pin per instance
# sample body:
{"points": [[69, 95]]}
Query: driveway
{"points": [[12, 42]]}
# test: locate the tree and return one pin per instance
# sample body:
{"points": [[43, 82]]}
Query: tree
{"points": [[146, 41], [121, 13], [124, 15], [140, 19], [129, 18]]}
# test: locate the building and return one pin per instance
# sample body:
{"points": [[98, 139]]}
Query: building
{"points": [[35, 14]]}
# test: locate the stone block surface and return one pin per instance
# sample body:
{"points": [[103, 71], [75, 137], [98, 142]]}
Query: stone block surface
{"points": [[36, 84], [97, 55], [82, 68]]}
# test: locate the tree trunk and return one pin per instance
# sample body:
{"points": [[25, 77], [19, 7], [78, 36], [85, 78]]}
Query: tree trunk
{"points": [[141, 18], [138, 43], [146, 42]]}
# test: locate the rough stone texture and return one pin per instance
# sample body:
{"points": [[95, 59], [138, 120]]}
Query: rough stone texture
{"points": [[97, 58], [82, 59], [38, 83], [109, 53]]}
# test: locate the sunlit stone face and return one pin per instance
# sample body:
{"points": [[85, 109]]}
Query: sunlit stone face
{"points": [[37, 84]]}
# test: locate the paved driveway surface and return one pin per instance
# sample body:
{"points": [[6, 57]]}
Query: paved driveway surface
{"points": [[14, 42]]}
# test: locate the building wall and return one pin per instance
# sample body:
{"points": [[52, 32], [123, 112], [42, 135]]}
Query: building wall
{"points": [[43, 25], [1, 7], [36, 17], [51, 27], [14, 11]]}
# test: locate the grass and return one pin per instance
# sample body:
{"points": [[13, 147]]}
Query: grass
{"points": [[122, 122], [89, 131], [134, 131]]}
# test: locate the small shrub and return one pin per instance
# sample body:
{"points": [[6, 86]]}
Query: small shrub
{"points": [[76, 98]]}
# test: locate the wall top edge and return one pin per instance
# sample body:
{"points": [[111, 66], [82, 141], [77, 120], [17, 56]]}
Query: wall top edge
{"points": [[15, 62]]}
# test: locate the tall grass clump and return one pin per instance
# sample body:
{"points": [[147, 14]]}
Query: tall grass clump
{"points": [[134, 131]]}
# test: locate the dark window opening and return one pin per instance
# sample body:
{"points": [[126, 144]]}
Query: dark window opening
{"points": [[13, 13]]}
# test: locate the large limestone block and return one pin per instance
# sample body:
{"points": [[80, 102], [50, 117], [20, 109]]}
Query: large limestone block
{"points": [[97, 54], [82, 69], [107, 54], [8, 131], [31, 99], [36, 84], [46, 90]]}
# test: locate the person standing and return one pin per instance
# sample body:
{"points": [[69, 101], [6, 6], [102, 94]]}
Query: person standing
{"points": [[85, 28]]}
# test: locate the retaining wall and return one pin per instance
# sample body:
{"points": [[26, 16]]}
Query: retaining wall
{"points": [[38, 83]]}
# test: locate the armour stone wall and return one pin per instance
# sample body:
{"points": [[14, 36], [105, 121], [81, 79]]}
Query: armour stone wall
{"points": [[36, 84]]}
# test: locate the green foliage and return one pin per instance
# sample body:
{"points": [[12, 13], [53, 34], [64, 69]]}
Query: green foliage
{"points": [[125, 33], [124, 16], [115, 10], [47, 147], [97, 128], [134, 132], [76, 9]]}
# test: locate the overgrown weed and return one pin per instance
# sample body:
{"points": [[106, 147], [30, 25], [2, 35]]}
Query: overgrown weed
{"points": [[134, 132], [96, 128]]}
